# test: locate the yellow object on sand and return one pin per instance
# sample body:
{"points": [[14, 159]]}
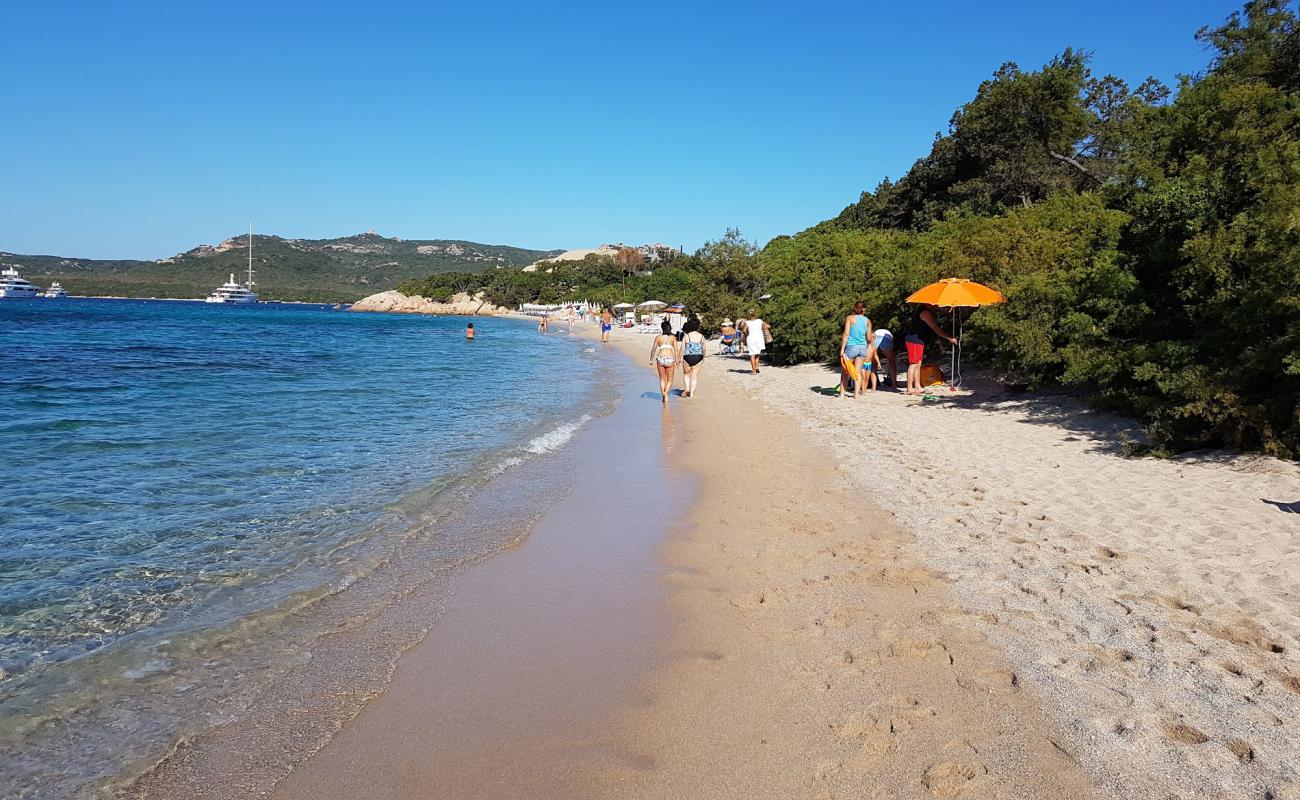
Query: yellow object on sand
{"points": [[847, 365], [957, 292], [931, 374]]}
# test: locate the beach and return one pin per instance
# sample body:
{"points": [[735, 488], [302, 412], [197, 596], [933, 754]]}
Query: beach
{"points": [[979, 596], [767, 592]]}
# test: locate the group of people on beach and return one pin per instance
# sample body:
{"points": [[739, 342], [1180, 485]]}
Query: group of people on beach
{"points": [[865, 351], [684, 348]]}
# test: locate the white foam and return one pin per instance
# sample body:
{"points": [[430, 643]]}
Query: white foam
{"points": [[554, 439], [506, 464]]}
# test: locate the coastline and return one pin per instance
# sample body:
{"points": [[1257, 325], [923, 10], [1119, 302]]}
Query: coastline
{"points": [[826, 616], [340, 679], [780, 656], [366, 572]]}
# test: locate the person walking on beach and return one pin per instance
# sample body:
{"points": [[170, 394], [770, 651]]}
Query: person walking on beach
{"points": [[882, 350], [606, 324], [853, 344], [469, 331], [692, 354], [921, 330], [756, 333], [664, 354]]}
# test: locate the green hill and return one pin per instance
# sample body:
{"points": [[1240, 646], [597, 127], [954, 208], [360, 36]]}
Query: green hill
{"points": [[333, 270]]}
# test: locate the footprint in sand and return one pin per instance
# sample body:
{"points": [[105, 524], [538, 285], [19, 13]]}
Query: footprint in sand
{"points": [[1185, 734], [1242, 750], [951, 778]]}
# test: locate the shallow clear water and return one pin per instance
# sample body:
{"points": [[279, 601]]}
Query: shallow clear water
{"points": [[169, 467]]}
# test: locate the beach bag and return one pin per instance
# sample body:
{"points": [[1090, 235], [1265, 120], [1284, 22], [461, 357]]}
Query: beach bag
{"points": [[931, 374]]}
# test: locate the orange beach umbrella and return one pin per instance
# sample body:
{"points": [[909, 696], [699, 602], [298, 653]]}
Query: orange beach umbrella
{"points": [[957, 293]]}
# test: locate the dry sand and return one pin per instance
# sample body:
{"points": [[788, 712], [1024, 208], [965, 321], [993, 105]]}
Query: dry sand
{"points": [[814, 655], [1148, 609]]}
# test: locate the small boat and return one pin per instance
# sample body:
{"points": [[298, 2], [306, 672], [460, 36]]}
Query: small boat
{"points": [[55, 291], [12, 285], [232, 293]]}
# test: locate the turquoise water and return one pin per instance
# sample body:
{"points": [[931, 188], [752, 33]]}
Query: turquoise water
{"points": [[174, 467]]}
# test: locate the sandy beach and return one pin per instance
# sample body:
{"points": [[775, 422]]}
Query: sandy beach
{"points": [[977, 596], [885, 598]]}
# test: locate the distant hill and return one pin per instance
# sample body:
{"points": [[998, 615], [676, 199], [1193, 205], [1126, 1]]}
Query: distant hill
{"points": [[332, 270]]}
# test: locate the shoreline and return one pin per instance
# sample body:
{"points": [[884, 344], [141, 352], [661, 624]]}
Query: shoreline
{"points": [[541, 643], [336, 681], [324, 645], [835, 609]]}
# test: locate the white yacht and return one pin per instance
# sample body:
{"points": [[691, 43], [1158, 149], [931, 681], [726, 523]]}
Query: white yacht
{"points": [[235, 293], [55, 291], [12, 285], [232, 292]]}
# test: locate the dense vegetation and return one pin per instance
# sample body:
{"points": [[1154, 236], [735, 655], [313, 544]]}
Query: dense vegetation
{"points": [[325, 270], [1148, 241]]}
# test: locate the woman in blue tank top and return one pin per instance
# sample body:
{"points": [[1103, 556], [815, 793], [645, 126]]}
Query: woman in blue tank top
{"points": [[853, 344]]}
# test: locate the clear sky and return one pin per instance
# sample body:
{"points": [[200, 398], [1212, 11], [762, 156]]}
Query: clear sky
{"points": [[137, 130]]}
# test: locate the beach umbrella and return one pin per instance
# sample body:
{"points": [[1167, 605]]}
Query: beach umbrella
{"points": [[957, 293], [675, 308], [651, 304], [622, 305]]}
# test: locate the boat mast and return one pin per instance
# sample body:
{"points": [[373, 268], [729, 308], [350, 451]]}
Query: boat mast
{"points": [[250, 255]]}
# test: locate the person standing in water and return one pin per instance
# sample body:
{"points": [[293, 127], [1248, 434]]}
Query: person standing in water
{"points": [[692, 354], [664, 355], [606, 324], [853, 345], [469, 332], [921, 330], [756, 331]]}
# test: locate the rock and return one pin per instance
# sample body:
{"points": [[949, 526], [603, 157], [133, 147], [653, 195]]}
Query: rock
{"points": [[394, 302]]}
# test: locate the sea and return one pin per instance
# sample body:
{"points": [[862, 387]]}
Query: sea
{"points": [[192, 497]]}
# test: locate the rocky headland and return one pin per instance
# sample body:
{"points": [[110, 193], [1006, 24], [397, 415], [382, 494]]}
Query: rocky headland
{"points": [[461, 304]]}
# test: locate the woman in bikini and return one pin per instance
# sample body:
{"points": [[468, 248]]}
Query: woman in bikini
{"points": [[664, 354], [692, 354]]}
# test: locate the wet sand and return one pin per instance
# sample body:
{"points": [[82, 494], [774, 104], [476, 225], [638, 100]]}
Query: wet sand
{"points": [[510, 693]]}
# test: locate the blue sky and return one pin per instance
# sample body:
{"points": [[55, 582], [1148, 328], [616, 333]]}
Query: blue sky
{"points": [[137, 130]]}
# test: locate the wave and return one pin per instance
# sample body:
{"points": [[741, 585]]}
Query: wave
{"points": [[556, 438]]}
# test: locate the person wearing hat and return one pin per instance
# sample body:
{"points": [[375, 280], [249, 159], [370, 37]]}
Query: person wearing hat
{"points": [[728, 335]]}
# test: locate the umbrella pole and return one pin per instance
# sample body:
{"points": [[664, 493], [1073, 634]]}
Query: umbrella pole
{"points": [[956, 357]]}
